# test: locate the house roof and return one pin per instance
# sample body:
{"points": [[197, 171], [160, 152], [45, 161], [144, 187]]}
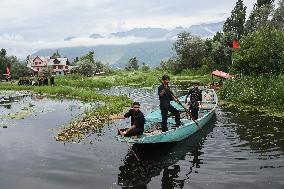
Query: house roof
{"points": [[47, 61], [222, 74]]}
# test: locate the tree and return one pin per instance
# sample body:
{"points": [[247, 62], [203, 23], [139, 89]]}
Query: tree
{"points": [[56, 55], [132, 64], [259, 3], [259, 16], [278, 16], [3, 61], [190, 51], [89, 57], [262, 53], [19, 70], [145, 67], [86, 65], [235, 23]]}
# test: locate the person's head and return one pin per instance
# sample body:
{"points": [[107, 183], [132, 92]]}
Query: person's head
{"points": [[136, 106], [195, 84], [165, 79]]}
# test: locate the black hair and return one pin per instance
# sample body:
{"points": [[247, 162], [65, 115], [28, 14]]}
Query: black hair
{"points": [[165, 77], [136, 103]]}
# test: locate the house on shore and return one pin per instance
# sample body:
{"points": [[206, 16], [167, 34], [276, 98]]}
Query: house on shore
{"points": [[55, 65]]}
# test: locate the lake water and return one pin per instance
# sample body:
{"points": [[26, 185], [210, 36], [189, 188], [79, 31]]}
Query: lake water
{"points": [[242, 149]]}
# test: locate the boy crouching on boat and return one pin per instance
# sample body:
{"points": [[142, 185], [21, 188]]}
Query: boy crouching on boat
{"points": [[137, 121]]}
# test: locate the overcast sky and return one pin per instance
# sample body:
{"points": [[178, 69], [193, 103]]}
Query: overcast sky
{"points": [[29, 25]]}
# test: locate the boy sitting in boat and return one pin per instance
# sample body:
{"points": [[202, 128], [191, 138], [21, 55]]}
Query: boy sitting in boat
{"points": [[195, 98], [137, 121]]}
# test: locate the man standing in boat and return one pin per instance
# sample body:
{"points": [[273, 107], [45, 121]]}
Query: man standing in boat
{"points": [[195, 99], [137, 121], [165, 96]]}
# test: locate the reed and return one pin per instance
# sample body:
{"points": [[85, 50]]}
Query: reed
{"points": [[259, 91]]}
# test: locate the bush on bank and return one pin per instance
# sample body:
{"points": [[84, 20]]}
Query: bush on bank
{"points": [[261, 91]]}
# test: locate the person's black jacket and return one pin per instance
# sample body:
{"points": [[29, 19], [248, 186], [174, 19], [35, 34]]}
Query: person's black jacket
{"points": [[166, 98], [137, 118]]}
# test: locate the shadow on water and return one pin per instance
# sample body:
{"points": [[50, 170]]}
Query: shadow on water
{"points": [[157, 158]]}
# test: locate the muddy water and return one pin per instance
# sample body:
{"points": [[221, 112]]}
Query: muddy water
{"points": [[242, 149]]}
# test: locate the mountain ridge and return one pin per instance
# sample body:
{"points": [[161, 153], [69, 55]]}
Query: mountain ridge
{"points": [[156, 47]]}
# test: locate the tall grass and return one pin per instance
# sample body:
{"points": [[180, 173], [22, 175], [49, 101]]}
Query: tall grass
{"points": [[123, 78], [260, 91]]}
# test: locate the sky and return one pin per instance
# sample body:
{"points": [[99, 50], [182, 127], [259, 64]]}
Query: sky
{"points": [[29, 25]]}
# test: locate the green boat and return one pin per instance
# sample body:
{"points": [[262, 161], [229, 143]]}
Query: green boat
{"points": [[153, 133]]}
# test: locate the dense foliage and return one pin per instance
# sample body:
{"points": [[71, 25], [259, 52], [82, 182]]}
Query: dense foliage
{"points": [[261, 53], [132, 64], [88, 66], [260, 40], [260, 91]]}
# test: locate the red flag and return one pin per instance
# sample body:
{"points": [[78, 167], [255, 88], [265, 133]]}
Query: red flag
{"points": [[235, 44], [7, 71]]}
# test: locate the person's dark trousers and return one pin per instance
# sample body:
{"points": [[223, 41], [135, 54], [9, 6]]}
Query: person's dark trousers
{"points": [[175, 112], [194, 112], [164, 112]]}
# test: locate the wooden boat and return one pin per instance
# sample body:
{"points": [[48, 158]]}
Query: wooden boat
{"points": [[154, 134]]}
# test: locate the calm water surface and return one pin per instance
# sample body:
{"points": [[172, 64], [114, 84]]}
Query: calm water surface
{"points": [[242, 149]]}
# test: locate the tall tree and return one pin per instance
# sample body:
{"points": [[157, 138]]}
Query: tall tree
{"points": [[259, 3], [262, 53], [89, 57], [259, 16], [235, 23], [278, 16], [190, 51], [56, 55], [132, 64]]}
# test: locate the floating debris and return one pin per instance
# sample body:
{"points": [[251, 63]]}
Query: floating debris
{"points": [[78, 130]]}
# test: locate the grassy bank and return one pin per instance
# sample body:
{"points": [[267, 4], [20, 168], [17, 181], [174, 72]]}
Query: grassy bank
{"points": [[265, 94], [123, 78]]}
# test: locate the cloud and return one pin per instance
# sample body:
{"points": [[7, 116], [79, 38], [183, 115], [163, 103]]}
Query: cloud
{"points": [[33, 24], [24, 47]]}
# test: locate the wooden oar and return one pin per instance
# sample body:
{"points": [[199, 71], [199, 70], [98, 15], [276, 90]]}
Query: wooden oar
{"points": [[186, 110]]}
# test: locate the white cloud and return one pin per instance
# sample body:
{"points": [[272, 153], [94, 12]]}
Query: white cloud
{"points": [[29, 25]]}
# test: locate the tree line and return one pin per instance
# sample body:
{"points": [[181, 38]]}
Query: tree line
{"points": [[260, 38]]}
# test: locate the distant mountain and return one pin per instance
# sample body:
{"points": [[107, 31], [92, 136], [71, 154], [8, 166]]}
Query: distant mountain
{"points": [[149, 52], [152, 33], [202, 30], [96, 36]]}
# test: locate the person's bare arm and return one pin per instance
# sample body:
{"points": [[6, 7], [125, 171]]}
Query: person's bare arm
{"points": [[116, 117]]}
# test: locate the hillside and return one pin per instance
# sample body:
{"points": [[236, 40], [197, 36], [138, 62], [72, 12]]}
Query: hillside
{"points": [[150, 53]]}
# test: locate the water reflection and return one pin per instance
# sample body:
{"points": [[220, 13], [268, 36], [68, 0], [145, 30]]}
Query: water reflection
{"points": [[263, 134], [162, 159]]}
